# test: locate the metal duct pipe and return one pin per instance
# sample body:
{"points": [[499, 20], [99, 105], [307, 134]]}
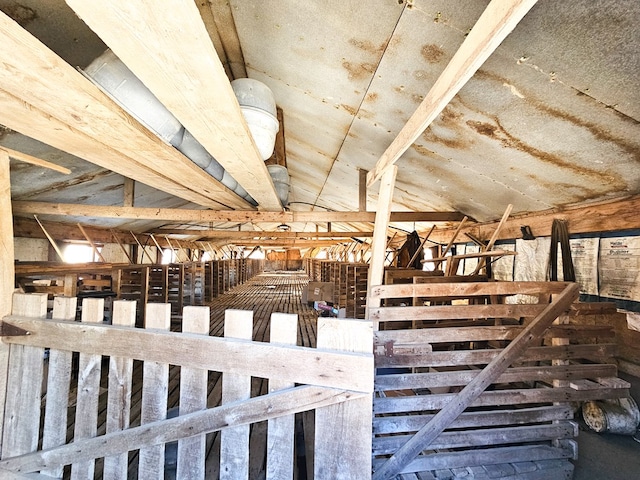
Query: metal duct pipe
{"points": [[112, 76]]}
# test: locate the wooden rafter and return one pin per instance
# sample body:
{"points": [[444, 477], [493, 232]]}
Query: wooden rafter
{"points": [[174, 57], [204, 234], [84, 122], [23, 157], [186, 215], [496, 22]]}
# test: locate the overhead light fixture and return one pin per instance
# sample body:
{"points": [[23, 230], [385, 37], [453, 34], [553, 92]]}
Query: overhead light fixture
{"points": [[283, 227]]}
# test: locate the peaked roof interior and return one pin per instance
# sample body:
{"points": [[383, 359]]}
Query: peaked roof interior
{"points": [[550, 120]]}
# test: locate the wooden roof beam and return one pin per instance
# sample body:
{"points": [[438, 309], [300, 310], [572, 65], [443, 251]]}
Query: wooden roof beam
{"points": [[496, 22], [84, 122], [204, 234], [174, 57], [186, 215]]}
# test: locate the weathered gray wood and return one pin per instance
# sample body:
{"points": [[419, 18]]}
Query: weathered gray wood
{"points": [[119, 393], [450, 312], [413, 423], [24, 384], [155, 381], [345, 427], [403, 381], [7, 271], [234, 443], [283, 402], [88, 391], [466, 289], [58, 379], [193, 398], [486, 437], [480, 357], [324, 368], [280, 431], [474, 389]]}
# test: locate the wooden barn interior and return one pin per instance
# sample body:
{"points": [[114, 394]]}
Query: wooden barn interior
{"points": [[393, 239]]}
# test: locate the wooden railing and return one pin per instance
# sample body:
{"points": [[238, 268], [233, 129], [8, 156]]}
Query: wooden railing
{"points": [[53, 405]]}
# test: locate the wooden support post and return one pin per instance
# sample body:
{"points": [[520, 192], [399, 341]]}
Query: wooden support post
{"points": [[144, 250], [129, 189], [115, 237], [440, 421], [7, 273], [51, 240], [93, 245], [482, 260], [379, 243], [362, 190]]}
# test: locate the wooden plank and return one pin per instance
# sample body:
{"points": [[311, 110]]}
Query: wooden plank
{"points": [[466, 289], [322, 367], [496, 22], [119, 392], [345, 427], [379, 243], [193, 398], [475, 388], [175, 60], [412, 423], [86, 123], [24, 384], [264, 407], [58, 378], [280, 431], [234, 444], [453, 312], [255, 234], [23, 157], [7, 272], [484, 356], [246, 216], [154, 395], [88, 390]]}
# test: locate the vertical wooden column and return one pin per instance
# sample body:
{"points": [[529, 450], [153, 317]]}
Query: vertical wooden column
{"points": [[24, 384], [280, 431], [234, 441], [343, 431], [155, 385], [7, 274], [193, 397], [379, 243], [119, 393]]}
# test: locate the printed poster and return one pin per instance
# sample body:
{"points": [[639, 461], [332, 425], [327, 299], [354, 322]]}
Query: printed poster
{"points": [[584, 253], [619, 268]]}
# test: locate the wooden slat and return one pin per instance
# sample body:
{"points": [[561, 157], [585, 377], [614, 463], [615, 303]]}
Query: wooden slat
{"points": [[403, 381], [452, 312], [345, 427], [154, 395], [23, 157], [520, 416], [119, 393], [280, 431], [190, 215], [193, 398], [234, 443], [7, 272], [24, 383], [59, 376], [88, 390], [496, 22], [444, 289], [174, 57], [264, 407], [475, 388], [324, 368], [85, 123]]}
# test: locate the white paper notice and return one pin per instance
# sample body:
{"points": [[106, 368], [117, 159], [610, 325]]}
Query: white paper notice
{"points": [[584, 253], [619, 268], [502, 268]]}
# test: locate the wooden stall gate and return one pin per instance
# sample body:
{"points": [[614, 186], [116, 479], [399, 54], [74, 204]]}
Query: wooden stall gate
{"points": [[51, 422], [469, 386]]}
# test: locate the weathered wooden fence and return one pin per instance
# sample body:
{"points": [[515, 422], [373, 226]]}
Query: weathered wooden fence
{"points": [[58, 377]]}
